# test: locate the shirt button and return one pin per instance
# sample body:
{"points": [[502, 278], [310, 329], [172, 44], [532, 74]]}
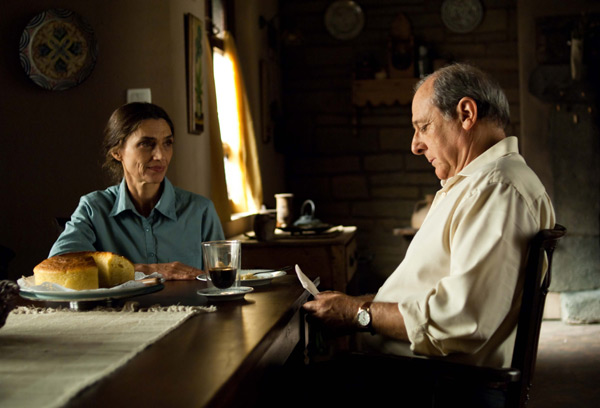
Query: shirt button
{"points": [[151, 254]]}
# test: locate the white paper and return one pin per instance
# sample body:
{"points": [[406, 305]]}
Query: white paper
{"points": [[306, 282]]}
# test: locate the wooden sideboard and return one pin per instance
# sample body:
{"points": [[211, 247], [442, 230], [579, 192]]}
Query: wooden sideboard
{"points": [[331, 256]]}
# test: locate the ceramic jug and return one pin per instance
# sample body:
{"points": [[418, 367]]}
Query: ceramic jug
{"points": [[420, 211], [284, 209]]}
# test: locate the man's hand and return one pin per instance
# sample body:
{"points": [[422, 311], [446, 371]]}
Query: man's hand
{"points": [[334, 310], [337, 312], [170, 271]]}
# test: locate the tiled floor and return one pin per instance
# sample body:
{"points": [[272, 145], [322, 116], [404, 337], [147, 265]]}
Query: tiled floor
{"points": [[568, 366]]}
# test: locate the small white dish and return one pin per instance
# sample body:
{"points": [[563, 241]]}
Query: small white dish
{"points": [[233, 293], [256, 277]]}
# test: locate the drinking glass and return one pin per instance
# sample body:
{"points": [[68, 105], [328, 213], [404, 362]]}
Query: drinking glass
{"points": [[222, 261]]}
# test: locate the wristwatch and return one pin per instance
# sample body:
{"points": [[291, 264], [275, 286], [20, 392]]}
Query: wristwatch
{"points": [[363, 317]]}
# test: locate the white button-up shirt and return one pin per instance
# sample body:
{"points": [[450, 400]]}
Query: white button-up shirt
{"points": [[459, 285]]}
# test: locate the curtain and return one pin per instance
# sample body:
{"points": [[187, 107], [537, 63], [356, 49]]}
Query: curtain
{"points": [[217, 170], [247, 160]]}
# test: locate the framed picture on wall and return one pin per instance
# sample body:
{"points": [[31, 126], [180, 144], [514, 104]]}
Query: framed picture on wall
{"points": [[194, 75]]}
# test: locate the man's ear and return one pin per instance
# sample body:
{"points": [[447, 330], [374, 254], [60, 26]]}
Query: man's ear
{"points": [[467, 112], [116, 155]]}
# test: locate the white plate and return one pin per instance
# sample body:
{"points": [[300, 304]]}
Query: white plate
{"points": [[88, 295], [261, 278], [233, 293]]}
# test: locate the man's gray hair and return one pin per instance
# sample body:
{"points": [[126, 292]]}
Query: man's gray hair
{"points": [[456, 81]]}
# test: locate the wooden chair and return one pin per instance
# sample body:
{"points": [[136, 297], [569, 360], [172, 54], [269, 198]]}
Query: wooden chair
{"points": [[446, 384]]}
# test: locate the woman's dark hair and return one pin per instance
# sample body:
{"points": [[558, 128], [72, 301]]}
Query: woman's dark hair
{"points": [[122, 123]]}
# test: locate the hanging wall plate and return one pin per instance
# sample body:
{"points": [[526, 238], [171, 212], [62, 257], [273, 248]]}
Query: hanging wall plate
{"points": [[57, 49], [344, 19], [462, 16]]}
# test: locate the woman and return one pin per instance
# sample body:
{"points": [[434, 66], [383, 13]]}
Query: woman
{"points": [[145, 218]]}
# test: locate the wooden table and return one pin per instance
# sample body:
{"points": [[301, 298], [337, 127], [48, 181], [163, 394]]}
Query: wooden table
{"points": [[219, 359], [331, 257]]}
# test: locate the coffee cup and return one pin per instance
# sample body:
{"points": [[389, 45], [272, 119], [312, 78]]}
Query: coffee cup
{"points": [[264, 226], [222, 262]]}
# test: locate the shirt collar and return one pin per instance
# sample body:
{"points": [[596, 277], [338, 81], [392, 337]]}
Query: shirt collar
{"points": [[506, 146], [165, 206]]}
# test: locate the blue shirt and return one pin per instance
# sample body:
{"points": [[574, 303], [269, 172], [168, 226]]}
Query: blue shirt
{"points": [[108, 221]]}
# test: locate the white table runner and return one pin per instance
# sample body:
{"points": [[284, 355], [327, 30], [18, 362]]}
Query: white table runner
{"points": [[47, 355]]}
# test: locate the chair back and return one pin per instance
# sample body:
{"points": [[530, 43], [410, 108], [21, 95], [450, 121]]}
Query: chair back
{"points": [[535, 288], [6, 255]]}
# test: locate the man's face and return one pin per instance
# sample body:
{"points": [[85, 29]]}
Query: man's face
{"points": [[435, 137]]}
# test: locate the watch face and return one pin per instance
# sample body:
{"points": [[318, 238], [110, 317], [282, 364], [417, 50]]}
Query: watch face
{"points": [[364, 318]]}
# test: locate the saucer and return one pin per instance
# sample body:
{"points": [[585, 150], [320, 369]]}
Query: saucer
{"points": [[233, 293]]}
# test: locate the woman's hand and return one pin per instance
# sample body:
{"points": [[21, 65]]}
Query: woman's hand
{"points": [[170, 271]]}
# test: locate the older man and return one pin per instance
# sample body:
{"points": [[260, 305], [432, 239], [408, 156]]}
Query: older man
{"points": [[456, 294]]}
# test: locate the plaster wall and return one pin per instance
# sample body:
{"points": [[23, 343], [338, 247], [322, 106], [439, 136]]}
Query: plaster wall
{"points": [[560, 141], [50, 141]]}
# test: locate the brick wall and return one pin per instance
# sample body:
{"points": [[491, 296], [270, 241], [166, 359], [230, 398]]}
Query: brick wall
{"points": [[355, 163]]}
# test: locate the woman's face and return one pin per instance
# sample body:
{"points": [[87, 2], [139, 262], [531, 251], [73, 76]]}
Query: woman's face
{"points": [[146, 153]]}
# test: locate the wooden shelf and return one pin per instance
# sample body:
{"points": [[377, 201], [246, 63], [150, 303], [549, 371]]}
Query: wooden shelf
{"points": [[377, 92], [333, 258]]}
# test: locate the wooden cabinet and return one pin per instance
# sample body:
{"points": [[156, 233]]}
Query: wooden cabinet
{"points": [[331, 256], [377, 92]]}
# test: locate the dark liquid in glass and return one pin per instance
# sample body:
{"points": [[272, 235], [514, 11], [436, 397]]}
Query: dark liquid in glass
{"points": [[222, 277]]}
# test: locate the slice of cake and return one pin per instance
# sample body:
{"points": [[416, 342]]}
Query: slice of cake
{"points": [[113, 269]]}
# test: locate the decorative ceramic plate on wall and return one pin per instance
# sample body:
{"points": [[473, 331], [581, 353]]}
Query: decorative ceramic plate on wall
{"points": [[58, 49], [462, 16], [344, 19]]}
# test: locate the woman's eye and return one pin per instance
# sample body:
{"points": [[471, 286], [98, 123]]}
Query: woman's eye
{"points": [[424, 128]]}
